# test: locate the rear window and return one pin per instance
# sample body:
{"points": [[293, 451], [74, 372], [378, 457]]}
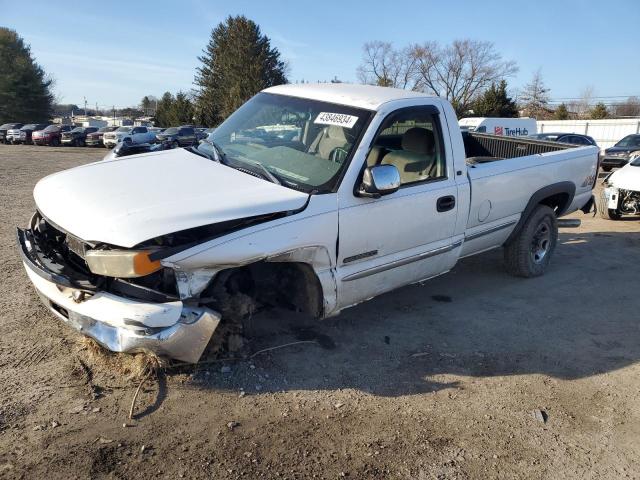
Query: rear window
{"points": [[124, 129], [52, 128], [171, 131]]}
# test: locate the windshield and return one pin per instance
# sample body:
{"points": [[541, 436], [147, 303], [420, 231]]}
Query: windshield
{"points": [[124, 129], [629, 141], [30, 126], [304, 143], [170, 131], [52, 128], [78, 129]]}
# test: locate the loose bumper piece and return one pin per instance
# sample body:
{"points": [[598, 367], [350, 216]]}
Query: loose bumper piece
{"points": [[120, 324]]}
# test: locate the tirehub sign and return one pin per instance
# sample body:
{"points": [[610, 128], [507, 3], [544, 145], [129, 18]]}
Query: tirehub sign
{"points": [[510, 132]]}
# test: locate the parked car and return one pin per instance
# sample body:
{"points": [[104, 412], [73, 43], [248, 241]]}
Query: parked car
{"points": [[5, 128], [179, 136], [618, 155], [94, 139], [134, 135], [621, 193], [376, 191], [76, 137], [23, 135], [51, 135], [573, 138], [509, 127]]}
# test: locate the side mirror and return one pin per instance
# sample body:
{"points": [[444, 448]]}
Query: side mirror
{"points": [[379, 180]]}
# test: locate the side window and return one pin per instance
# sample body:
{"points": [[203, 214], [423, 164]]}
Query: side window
{"points": [[482, 129], [142, 130], [135, 130], [187, 131], [411, 140]]}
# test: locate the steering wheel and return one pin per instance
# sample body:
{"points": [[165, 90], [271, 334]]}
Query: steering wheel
{"points": [[338, 155]]}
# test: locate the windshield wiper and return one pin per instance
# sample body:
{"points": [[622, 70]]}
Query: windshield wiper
{"points": [[269, 175]]}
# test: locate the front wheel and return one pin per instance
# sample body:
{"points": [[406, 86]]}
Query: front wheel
{"points": [[529, 254], [606, 212]]}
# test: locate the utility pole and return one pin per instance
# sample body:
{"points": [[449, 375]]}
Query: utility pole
{"points": [[85, 107], [114, 115]]}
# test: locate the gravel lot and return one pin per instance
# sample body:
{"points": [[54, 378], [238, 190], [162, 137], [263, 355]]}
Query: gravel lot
{"points": [[440, 380]]}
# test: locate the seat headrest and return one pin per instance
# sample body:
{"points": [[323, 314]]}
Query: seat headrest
{"points": [[418, 140], [335, 132]]}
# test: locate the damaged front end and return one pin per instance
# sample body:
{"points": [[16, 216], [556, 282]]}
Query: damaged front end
{"points": [[140, 310]]}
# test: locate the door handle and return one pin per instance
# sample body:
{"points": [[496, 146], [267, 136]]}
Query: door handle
{"points": [[445, 204]]}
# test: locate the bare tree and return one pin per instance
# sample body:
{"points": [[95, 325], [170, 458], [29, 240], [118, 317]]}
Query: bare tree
{"points": [[460, 71], [629, 108], [584, 104], [535, 97], [387, 67]]}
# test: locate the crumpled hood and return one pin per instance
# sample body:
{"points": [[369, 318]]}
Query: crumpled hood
{"points": [[627, 178], [126, 201]]}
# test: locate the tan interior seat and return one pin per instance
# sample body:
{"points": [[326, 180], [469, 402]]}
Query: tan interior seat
{"points": [[417, 157], [327, 140], [375, 155]]}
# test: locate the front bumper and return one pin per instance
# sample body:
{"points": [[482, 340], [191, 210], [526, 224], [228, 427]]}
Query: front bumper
{"points": [[110, 142], [615, 162], [90, 141], [169, 329]]}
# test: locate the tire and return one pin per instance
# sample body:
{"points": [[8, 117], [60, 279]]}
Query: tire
{"points": [[606, 169], [175, 144], [606, 212], [55, 142], [529, 254]]}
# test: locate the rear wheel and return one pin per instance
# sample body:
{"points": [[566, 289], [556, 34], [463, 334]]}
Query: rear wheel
{"points": [[529, 254]]}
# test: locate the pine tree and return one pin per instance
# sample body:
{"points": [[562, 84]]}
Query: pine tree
{"points": [[25, 89], [599, 111], [495, 102], [237, 63], [561, 112], [181, 110], [164, 111]]}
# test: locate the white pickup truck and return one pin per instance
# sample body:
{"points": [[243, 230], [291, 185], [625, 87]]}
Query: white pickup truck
{"points": [[132, 135], [310, 197]]}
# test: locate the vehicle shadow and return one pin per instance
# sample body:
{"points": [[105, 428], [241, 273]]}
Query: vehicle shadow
{"points": [[578, 320]]}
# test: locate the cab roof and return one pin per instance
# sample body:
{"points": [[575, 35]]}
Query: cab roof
{"points": [[369, 97]]}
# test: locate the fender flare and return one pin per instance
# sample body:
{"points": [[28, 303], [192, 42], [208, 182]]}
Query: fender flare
{"points": [[568, 188]]}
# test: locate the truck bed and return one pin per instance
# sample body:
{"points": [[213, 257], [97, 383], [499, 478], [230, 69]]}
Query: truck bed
{"points": [[484, 148]]}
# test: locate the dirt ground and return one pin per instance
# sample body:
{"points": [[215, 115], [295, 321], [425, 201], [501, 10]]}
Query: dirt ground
{"points": [[440, 380]]}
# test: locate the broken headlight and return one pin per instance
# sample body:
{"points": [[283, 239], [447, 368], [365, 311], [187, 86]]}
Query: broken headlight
{"points": [[121, 263]]}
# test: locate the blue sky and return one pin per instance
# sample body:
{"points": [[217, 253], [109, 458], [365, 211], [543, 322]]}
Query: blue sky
{"points": [[113, 53]]}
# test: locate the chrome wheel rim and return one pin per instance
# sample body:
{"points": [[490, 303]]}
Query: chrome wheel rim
{"points": [[541, 243]]}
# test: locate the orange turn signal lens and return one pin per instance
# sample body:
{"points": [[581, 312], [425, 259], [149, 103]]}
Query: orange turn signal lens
{"points": [[143, 265]]}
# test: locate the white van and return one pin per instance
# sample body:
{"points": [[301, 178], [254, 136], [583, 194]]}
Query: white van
{"points": [[509, 127]]}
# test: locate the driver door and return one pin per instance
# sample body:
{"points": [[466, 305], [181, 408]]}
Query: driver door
{"points": [[405, 236]]}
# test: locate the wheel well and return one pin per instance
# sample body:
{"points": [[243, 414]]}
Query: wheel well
{"points": [[290, 285], [557, 196], [559, 202]]}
